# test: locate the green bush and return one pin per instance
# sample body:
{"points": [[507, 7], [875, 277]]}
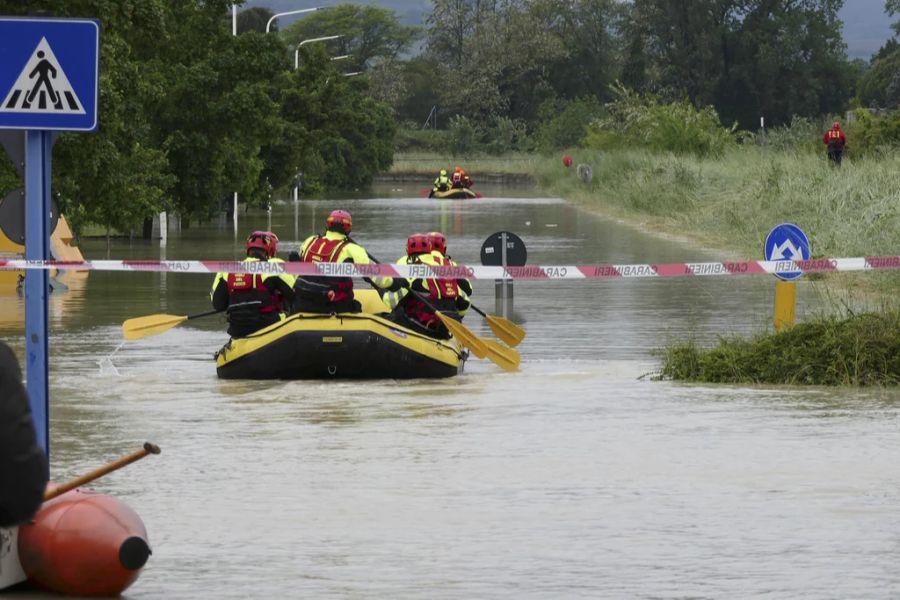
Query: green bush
{"points": [[859, 349], [563, 124], [507, 135], [413, 139], [873, 134], [463, 136], [801, 134], [678, 127]]}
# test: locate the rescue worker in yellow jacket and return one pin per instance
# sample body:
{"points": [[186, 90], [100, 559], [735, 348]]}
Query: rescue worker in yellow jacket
{"points": [[254, 300], [320, 294], [439, 256], [415, 300], [442, 182]]}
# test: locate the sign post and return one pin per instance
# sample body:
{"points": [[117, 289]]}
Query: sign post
{"points": [[49, 78], [504, 249], [786, 242]]}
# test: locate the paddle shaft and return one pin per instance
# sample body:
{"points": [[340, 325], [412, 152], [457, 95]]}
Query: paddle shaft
{"points": [[478, 310], [229, 309], [205, 314], [456, 328], [98, 473]]}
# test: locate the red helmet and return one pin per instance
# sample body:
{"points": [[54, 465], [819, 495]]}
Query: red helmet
{"points": [[418, 243], [438, 241], [836, 125], [264, 240], [339, 220]]}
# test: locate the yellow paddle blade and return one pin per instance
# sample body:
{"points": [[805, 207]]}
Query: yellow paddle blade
{"points": [[139, 327], [506, 358], [505, 329], [465, 336]]}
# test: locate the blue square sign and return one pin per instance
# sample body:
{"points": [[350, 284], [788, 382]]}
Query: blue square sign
{"points": [[49, 73]]}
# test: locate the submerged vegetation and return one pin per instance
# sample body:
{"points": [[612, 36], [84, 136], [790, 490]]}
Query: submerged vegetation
{"points": [[859, 350]]}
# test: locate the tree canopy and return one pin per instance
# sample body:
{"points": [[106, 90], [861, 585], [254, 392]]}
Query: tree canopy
{"points": [[190, 114]]}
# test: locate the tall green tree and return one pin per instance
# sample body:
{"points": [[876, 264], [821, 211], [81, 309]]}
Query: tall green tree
{"points": [[117, 175], [494, 57], [369, 34], [880, 84], [748, 58], [587, 63], [337, 134], [255, 19], [372, 41], [893, 8]]}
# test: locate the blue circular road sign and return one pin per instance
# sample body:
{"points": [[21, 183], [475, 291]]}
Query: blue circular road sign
{"points": [[787, 242]]}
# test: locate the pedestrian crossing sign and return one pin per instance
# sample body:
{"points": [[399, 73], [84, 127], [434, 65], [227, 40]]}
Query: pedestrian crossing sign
{"points": [[49, 73]]}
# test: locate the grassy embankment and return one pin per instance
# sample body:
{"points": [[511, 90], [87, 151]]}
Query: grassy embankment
{"points": [[730, 203]]}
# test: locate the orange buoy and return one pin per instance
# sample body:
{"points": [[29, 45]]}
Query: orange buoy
{"points": [[84, 543]]}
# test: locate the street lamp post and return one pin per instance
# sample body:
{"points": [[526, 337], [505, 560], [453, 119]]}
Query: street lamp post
{"points": [[324, 38], [234, 13], [309, 41], [234, 215], [290, 12]]}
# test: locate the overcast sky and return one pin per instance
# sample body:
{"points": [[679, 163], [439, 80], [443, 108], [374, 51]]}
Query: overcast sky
{"points": [[866, 26]]}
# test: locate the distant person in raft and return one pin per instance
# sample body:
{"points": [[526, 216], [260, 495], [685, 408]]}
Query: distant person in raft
{"points": [[319, 294], [23, 466], [441, 182], [456, 180], [254, 300], [466, 180], [835, 140]]}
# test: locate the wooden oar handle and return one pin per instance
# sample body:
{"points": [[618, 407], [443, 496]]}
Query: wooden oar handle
{"points": [[148, 448]]}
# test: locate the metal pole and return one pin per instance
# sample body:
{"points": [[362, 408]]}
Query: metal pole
{"points": [[290, 12], [309, 41], [296, 216], [234, 33], [505, 281], [38, 151]]}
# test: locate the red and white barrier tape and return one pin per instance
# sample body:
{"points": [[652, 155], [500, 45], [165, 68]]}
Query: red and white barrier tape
{"points": [[698, 269]]}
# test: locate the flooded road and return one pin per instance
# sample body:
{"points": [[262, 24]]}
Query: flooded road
{"points": [[577, 477]]}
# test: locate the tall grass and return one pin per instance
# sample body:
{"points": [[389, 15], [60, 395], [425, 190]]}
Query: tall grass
{"points": [[429, 163], [731, 202]]}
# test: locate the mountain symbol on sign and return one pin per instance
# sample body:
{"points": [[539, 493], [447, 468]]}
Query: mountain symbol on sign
{"points": [[42, 87], [787, 247]]}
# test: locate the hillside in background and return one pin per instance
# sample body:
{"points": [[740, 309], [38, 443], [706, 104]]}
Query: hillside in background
{"points": [[866, 26]]}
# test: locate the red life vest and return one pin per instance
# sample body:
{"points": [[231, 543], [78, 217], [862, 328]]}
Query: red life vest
{"points": [[249, 287], [323, 249], [443, 289], [442, 296]]}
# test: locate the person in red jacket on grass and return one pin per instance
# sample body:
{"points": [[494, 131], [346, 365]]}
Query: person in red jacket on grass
{"points": [[835, 140]]}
